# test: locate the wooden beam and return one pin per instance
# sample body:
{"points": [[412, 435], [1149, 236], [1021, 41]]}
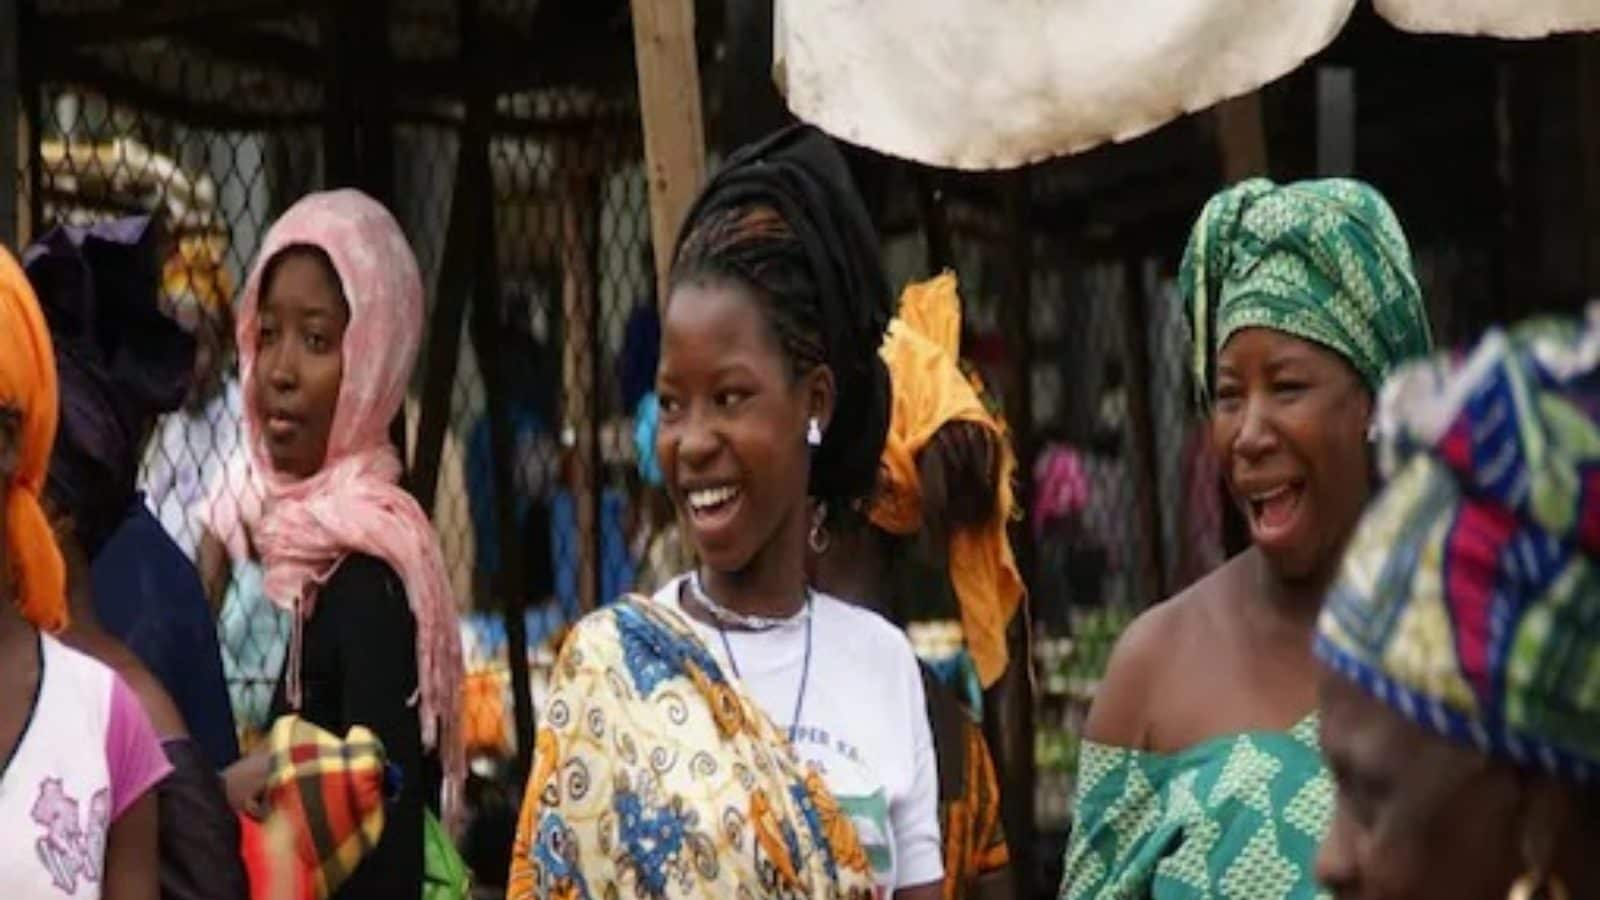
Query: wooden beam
{"points": [[1241, 137], [1009, 709], [11, 130], [669, 105], [578, 192]]}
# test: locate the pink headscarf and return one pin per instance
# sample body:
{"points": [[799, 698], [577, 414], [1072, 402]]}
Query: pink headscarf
{"points": [[353, 504]]}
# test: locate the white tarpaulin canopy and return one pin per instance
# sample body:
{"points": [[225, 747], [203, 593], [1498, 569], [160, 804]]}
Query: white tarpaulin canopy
{"points": [[1497, 18], [993, 84]]}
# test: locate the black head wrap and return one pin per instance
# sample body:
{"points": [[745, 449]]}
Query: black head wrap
{"points": [[121, 363], [801, 176]]}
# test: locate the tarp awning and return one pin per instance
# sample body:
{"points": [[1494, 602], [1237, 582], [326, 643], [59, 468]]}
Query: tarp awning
{"points": [[994, 84]]}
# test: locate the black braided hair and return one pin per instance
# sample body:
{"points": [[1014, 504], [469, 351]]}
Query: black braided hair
{"points": [[784, 219]]}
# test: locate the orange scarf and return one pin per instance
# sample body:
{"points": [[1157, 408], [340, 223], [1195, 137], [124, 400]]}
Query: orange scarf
{"points": [[28, 386], [930, 391]]}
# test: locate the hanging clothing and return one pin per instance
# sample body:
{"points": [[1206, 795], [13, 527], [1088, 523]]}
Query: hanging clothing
{"points": [[928, 391], [1234, 816], [654, 774]]}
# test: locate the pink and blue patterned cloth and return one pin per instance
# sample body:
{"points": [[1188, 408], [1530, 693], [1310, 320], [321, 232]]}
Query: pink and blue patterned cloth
{"points": [[1469, 599]]}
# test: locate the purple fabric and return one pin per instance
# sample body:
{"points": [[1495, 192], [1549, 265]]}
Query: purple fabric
{"points": [[133, 753], [120, 360]]}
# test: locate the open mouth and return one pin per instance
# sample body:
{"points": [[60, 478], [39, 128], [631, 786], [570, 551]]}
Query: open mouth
{"points": [[1274, 512], [712, 501]]}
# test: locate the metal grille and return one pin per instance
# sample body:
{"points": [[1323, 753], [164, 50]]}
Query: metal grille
{"points": [[528, 214]]}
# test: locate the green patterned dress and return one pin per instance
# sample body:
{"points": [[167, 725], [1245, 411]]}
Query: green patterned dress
{"points": [[1236, 817]]}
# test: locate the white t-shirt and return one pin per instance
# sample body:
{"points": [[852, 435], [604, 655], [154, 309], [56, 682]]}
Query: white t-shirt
{"points": [[863, 724]]}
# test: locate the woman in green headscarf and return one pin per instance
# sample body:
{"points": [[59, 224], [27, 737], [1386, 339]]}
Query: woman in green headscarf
{"points": [[1461, 699], [1200, 773]]}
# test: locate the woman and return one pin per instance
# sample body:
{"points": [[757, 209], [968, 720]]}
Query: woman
{"points": [[122, 364], [661, 767], [78, 756], [1199, 770], [329, 327], [1462, 638], [945, 483], [119, 361]]}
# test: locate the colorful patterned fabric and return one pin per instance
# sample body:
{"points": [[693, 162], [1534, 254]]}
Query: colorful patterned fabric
{"points": [[329, 794], [1469, 599], [928, 390], [970, 824], [655, 777], [1324, 261], [1235, 817]]}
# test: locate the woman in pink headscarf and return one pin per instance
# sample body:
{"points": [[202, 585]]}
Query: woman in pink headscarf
{"points": [[328, 331]]}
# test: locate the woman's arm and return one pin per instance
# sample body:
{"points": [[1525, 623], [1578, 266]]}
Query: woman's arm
{"points": [[132, 866]]}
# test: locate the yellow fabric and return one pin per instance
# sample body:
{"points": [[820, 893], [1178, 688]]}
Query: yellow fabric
{"points": [[28, 387], [929, 391]]}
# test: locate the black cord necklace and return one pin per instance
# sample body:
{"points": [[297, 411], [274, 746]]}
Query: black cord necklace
{"points": [[805, 667]]}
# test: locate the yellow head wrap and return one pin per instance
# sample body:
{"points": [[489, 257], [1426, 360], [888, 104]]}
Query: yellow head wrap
{"points": [[930, 391]]}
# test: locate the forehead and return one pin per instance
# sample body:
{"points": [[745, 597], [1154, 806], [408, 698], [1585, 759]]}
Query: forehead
{"points": [[721, 315], [1260, 347], [1360, 734], [300, 280]]}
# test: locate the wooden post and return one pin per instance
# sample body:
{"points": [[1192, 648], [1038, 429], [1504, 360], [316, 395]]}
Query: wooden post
{"points": [[1009, 708], [669, 106], [1242, 144], [11, 129], [580, 341], [1241, 137]]}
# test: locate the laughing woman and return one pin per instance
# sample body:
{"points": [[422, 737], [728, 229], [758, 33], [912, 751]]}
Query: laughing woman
{"points": [[741, 734], [1200, 773], [329, 329]]}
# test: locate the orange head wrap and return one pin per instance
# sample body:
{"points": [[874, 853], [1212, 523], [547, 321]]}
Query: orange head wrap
{"points": [[28, 387], [930, 391]]}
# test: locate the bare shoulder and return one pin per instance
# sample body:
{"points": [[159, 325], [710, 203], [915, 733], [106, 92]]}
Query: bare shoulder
{"points": [[1150, 652]]}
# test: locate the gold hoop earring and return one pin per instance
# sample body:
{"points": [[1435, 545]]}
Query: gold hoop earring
{"points": [[818, 539], [1538, 886]]}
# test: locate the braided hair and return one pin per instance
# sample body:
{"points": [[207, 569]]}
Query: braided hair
{"points": [[784, 220]]}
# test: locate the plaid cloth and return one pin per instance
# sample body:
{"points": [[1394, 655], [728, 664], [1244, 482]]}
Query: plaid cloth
{"points": [[329, 794]]}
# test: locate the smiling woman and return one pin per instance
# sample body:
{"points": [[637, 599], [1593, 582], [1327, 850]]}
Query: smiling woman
{"points": [[778, 738], [1299, 299]]}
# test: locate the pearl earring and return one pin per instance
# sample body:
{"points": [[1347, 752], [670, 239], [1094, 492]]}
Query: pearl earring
{"points": [[814, 433]]}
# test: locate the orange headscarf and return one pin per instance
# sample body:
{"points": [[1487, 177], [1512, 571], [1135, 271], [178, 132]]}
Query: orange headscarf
{"points": [[28, 385], [929, 391]]}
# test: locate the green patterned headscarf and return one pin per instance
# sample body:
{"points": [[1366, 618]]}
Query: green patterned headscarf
{"points": [[1324, 261], [1469, 597]]}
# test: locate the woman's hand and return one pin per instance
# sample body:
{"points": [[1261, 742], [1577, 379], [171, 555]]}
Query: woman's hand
{"points": [[246, 783]]}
